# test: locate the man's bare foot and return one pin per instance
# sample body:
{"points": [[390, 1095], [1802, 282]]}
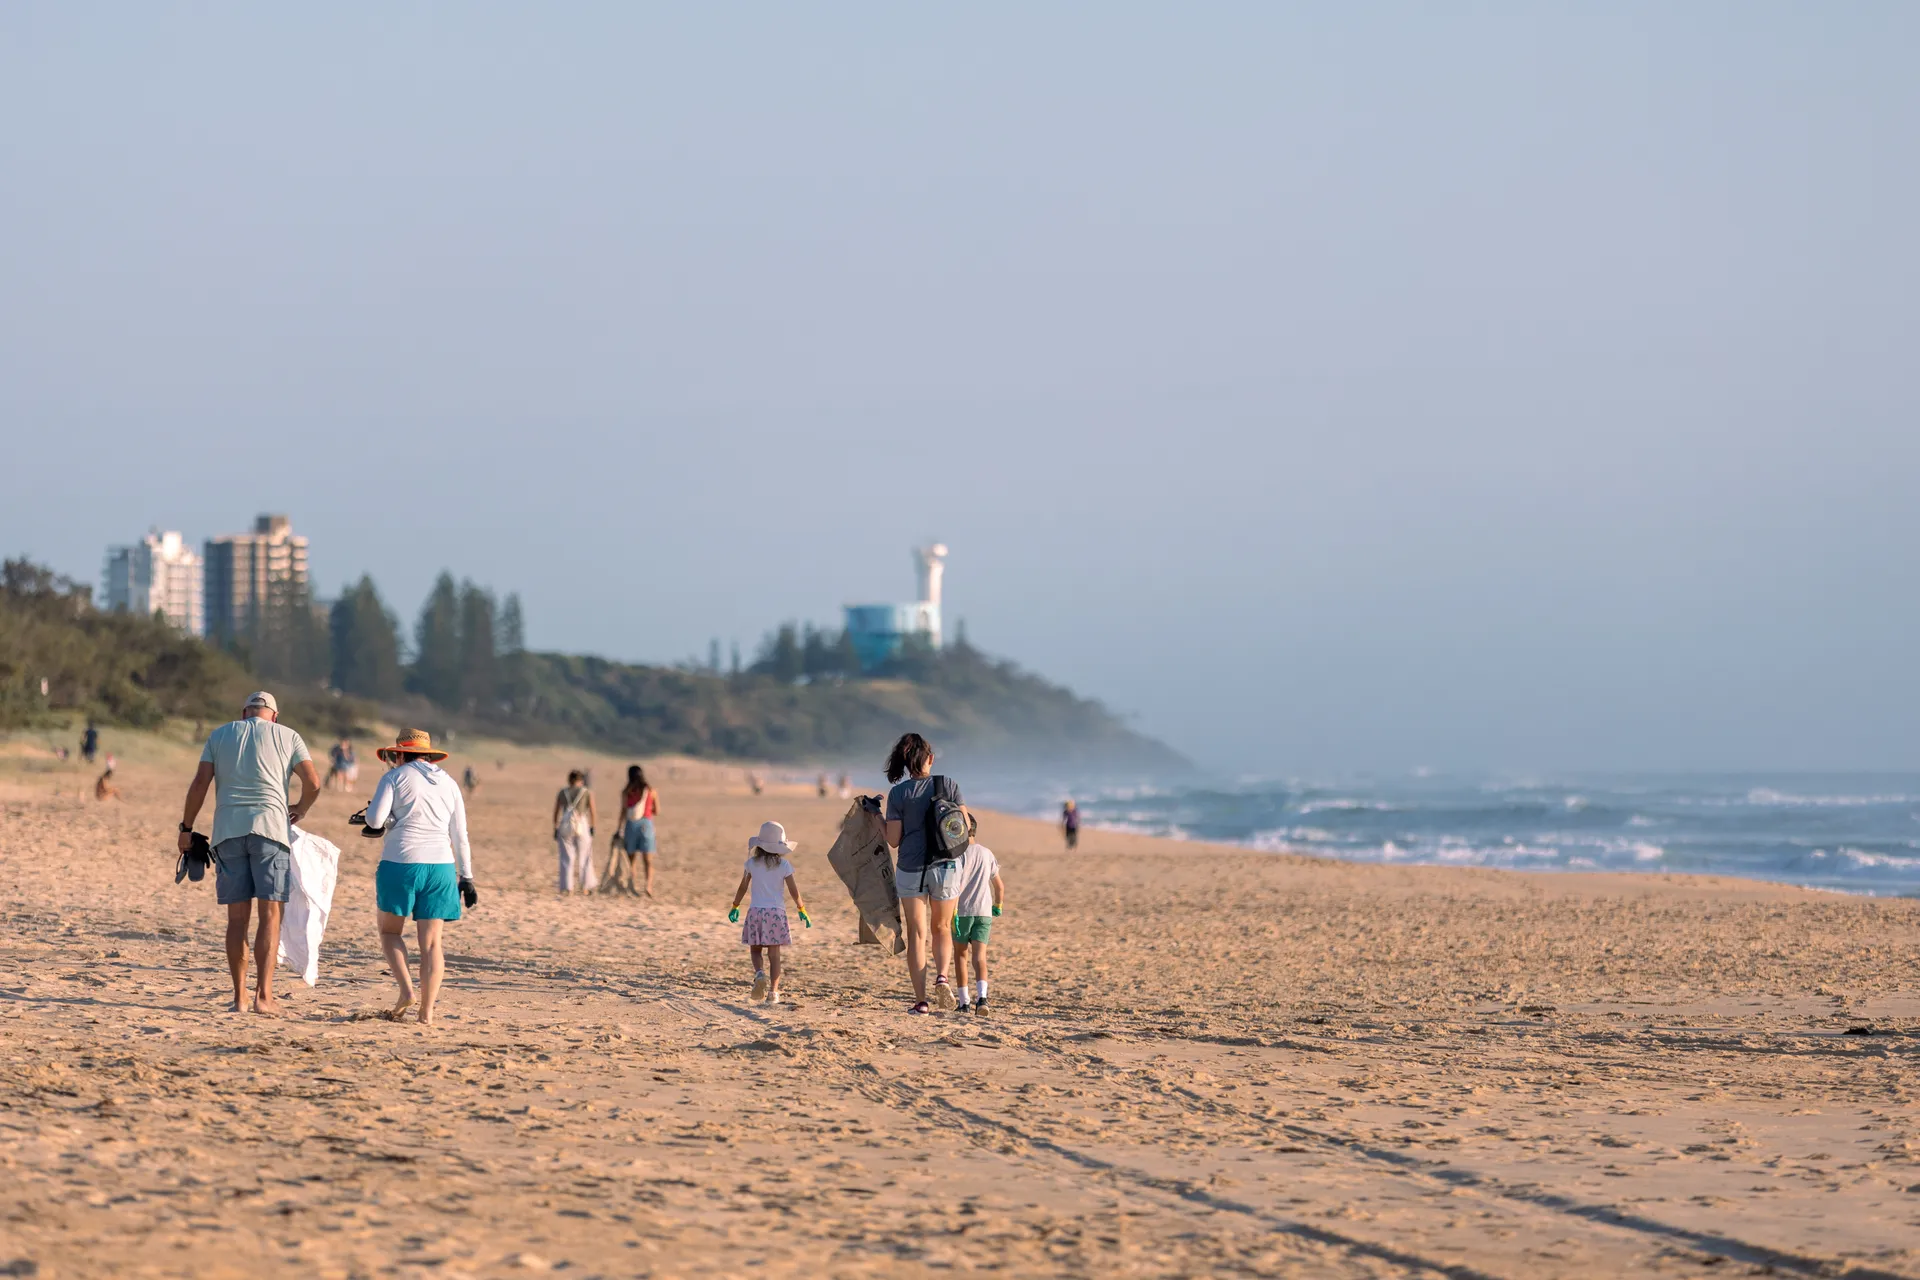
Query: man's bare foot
{"points": [[266, 1006], [235, 1006], [426, 1017], [399, 1010]]}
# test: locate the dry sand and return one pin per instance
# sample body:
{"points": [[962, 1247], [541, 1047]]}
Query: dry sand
{"points": [[1202, 1061]]}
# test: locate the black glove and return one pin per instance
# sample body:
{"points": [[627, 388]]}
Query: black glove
{"points": [[468, 894]]}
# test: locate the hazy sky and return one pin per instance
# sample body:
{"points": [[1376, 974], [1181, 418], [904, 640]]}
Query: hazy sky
{"points": [[1332, 387]]}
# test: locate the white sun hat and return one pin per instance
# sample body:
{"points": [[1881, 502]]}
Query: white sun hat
{"points": [[772, 838]]}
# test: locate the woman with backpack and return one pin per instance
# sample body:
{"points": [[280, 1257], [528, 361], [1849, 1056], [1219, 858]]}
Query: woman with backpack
{"points": [[922, 809], [574, 818]]}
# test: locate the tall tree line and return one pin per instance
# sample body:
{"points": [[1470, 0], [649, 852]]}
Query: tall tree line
{"points": [[463, 644]]}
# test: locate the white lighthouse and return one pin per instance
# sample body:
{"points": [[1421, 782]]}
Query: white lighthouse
{"points": [[931, 562]]}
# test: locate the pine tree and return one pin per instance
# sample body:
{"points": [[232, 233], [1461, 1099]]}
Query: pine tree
{"points": [[816, 659], [436, 640], [365, 643], [478, 669], [513, 634], [846, 655]]}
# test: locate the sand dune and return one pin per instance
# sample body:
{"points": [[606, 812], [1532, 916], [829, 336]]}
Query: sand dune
{"points": [[1203, 1061]]}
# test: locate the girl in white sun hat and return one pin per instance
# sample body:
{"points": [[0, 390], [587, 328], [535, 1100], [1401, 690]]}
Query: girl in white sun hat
{"points": [[766, 927]]}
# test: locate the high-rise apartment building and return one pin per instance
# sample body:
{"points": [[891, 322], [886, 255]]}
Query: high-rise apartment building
{"points": [[255, 582], [158, 574]]}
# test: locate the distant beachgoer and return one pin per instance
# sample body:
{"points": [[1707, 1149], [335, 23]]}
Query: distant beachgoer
{"points": [[639, 806], [1070, 824], [250, 762], [89, 742], [753, 783], [766, 929], [822, 784], [470, 780], [336, 779], [574, 820], [981, 895], [426, 866], [928, 887], [103, 788], [846, 786]]}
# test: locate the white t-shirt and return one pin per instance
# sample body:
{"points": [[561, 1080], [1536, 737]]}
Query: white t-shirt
{"points": [[768, 882], [978, 867], [425, 815]]}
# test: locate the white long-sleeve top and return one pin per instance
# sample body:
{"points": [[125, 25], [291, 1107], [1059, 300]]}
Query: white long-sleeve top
{"points": [[425, 815]]}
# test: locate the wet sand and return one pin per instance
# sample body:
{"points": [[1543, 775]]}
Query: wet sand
{"points": [[1200, 1062]]}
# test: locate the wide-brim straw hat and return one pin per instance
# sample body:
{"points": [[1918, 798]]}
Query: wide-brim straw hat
{"points": [[772, 838], [411, 742]]}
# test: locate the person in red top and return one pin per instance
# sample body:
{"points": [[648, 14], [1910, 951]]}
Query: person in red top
{"points": [[639, 804]]}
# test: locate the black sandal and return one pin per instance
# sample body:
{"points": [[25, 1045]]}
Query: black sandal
{"points": [[920, 1007]]}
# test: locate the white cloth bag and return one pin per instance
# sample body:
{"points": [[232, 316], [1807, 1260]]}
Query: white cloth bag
{"points": [[316, 869]]}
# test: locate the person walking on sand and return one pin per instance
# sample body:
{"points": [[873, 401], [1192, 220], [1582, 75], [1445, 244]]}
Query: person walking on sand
{"points": [[766, 928], [981, 893], [574, 820], [1070, 824], [928, 885], [639, 805], [89, 743], [426, 866], [250, 762]]}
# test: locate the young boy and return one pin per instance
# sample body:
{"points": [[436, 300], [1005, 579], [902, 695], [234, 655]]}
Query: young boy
{"points": [[981, 894]]}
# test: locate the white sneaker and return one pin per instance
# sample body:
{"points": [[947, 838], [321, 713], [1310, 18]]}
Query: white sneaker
{"points": [[943, 996], [759, 986], [773, 997]]}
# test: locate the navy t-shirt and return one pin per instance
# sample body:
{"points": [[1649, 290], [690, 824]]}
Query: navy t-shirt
{"points": [[911, 802]]}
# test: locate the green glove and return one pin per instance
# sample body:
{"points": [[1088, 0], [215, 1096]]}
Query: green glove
{"points": [[996, 908], [806, 920], [733, 916]]}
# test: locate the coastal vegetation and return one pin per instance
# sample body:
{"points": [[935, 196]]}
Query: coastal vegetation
{"points": [[465, 669]]}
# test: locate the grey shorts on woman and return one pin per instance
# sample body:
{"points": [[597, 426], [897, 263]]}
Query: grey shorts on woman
{"points": [[251, 866], [942, 882]]}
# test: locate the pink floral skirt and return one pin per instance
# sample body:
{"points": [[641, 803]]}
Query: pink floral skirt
{"points": [[766, 927]]}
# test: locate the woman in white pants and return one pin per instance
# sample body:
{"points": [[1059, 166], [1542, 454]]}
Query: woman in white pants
{"points": [[574, 818]]}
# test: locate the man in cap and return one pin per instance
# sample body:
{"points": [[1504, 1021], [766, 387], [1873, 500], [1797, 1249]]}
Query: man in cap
{"points": [[251, 761]]}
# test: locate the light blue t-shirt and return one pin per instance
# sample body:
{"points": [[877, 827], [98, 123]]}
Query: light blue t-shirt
{"points": [[252, 762]]}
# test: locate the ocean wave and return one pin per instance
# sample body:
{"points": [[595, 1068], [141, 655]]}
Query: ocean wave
{"points": [[1854, 832], [1767, 796], [1846, 859], [1344, 806]]}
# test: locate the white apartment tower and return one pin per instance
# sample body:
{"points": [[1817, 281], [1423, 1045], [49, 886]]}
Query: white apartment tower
{"points": [[158, 574]]}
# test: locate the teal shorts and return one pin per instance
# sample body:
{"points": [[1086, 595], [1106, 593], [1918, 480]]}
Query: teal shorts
{"points": [[418, 890], [972, 928]]}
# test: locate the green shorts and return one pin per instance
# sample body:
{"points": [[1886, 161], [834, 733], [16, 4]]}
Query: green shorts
{"points": [[417, 890], [972, 928]]}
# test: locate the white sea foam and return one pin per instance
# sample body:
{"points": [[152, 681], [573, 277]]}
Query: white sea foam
{"points": [[1342, 806], [1769, 797]]}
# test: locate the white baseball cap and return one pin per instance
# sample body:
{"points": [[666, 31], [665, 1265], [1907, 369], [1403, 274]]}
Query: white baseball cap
{"points": [[264, 699]]}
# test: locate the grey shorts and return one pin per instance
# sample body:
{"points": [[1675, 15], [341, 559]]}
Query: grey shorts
{"points": [[943, 882], [251, 866]]}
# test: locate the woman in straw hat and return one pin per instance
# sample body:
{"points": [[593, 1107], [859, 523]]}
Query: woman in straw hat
{"points": [[426, 869]]}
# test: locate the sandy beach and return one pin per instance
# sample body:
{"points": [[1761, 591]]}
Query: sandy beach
{"points": [[1202, 1061]]}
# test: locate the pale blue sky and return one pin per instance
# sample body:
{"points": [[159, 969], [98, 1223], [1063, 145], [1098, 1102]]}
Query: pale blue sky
{"points": [[1350, 386]]}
